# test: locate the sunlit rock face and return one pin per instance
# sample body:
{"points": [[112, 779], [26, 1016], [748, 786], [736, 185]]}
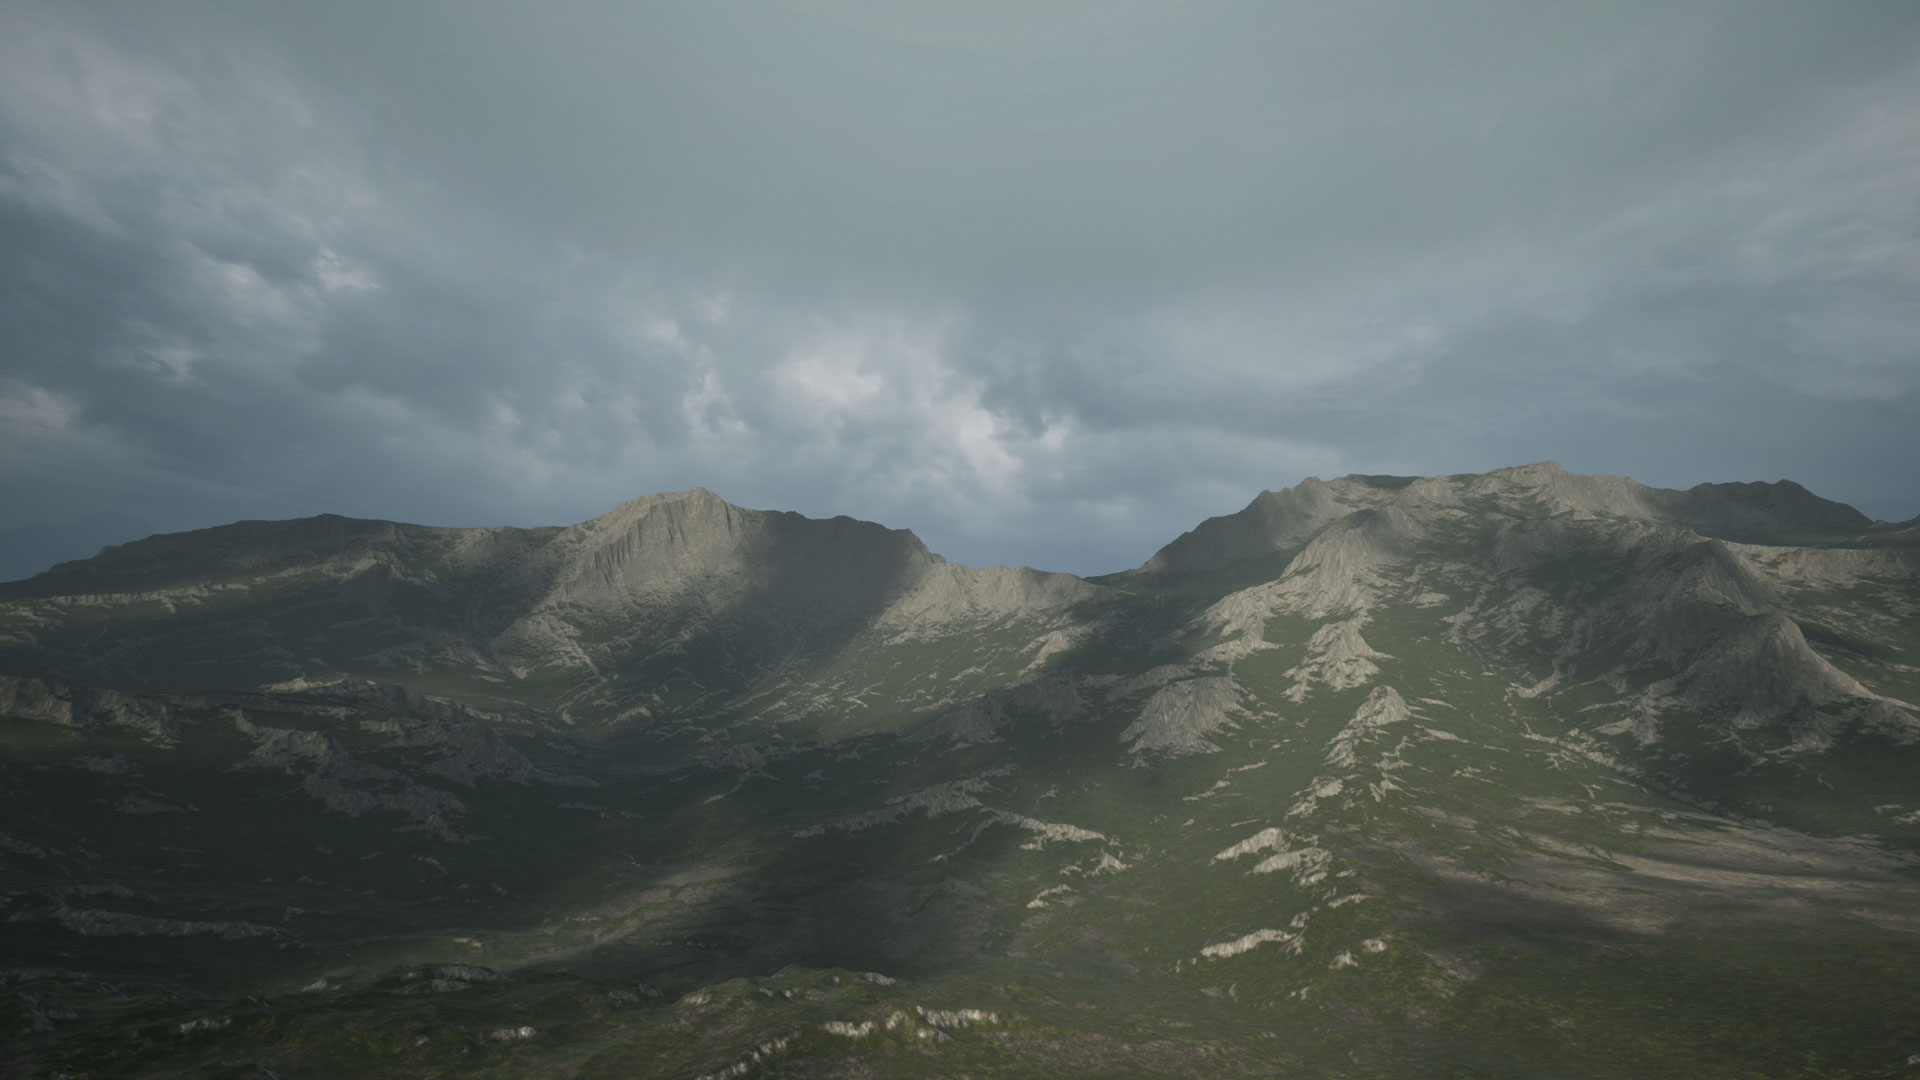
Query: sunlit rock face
{"points": [[1475, 775]]}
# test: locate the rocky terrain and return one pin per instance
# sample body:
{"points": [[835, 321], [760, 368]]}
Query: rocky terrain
{"points": [[1516, 774]]}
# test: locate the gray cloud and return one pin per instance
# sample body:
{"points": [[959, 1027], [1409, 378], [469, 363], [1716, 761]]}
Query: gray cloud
{"points": [[1046, 283]]}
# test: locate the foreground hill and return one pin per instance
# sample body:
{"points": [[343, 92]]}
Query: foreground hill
{"points": [[1515, 774]]}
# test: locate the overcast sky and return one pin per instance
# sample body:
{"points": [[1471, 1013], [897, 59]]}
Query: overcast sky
{"points": [[1046, 281]]}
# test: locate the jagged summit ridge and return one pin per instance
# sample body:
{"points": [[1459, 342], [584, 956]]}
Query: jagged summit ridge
{"points": [[1277, 524], [686, 590]]}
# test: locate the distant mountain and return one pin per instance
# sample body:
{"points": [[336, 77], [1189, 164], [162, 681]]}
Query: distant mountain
{"points": [[1522, 773]]}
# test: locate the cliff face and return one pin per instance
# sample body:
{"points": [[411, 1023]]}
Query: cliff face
{"points": [[693, 547]]}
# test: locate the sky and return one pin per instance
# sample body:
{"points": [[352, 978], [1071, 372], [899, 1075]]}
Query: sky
{"points": [[1047, 281]]}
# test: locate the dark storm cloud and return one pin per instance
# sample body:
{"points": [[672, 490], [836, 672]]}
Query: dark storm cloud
{"points": [[1046, 283]]}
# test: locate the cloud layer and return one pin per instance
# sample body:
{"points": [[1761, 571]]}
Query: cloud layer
{"points": [[1045, 283]]}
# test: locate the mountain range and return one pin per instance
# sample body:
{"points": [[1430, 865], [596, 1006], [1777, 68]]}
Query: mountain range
{"points": [[1514, 774]]}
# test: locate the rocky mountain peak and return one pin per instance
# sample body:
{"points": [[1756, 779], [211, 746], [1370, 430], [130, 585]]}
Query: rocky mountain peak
{"points": [[1274, 524]]}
